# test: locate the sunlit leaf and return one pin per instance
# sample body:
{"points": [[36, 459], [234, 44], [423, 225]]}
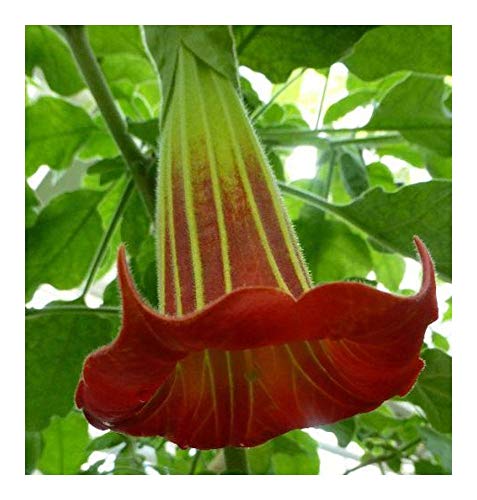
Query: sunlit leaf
{"points": [[65, 445], [55, 131], [386, 49]]}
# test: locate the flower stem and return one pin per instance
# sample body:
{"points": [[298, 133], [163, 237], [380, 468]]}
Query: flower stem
{"points": [[322, 100], [236, 460], [137, 163], [98, 258], [259, 111]]}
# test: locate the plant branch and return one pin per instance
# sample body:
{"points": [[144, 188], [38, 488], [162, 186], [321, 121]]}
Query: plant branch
{"points": [[76, 309], [259, 111], [322, 100], [98, 258], [137, 163], [195, 460], [296, 137], [385, 457], [236, 460]]}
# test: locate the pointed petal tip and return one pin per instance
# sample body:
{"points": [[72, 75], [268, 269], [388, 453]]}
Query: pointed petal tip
{"points": [[428, 285]]}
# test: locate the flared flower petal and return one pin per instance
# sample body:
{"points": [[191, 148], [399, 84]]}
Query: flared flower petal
{"points": [[241, 349], [256, 362]]}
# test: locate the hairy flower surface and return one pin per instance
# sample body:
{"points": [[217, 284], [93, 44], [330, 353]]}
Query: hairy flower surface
{"points": [[241, 348]]}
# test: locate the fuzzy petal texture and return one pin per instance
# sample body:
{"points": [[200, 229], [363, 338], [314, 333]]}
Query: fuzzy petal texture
{"points": [[256, 362]]}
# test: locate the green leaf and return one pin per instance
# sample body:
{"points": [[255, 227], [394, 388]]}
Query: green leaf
{"points": [[424, 467], [392, 219], [386, 49], [33, 449], [111, 294], [347, 104], [344, 430], [100, 143], [63, 241], [439, 445], [353, 172], [389, 269], [108, 169], [45, 49], [144, 269], [277, 50], [31, 206], [147, 131], [433, 390], [108, 440], [295, 453], [415, 107], [437, 166], [260, 458], [127, 68], [135, 225], [448, 314], [379, 175], [410, 153], [56, 345], [340, 254], [65, 445], [113, 39], [55, 131], [440, 341]]}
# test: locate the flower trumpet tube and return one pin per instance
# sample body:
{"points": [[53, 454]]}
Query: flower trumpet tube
{"points": [[242, 348]]}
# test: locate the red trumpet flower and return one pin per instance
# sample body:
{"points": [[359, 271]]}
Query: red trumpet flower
{"points": [[242, 348]]}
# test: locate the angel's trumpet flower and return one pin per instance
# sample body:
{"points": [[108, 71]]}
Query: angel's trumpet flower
{"points": [[242, 348]]}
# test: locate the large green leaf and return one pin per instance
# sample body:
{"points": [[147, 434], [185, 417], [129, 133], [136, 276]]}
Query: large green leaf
{"points": [[433, 390], [277, 50], [56, 345], [65, 445], [392, 219], [62, 243], [415, 107], [45, 49], [387, 49], [55, 131]]}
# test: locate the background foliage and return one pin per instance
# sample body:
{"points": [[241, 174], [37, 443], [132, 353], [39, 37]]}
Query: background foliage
{"points": [[377, 117]]}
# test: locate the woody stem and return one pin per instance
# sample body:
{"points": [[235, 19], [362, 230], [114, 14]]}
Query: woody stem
{"points": [[136, 161]]}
